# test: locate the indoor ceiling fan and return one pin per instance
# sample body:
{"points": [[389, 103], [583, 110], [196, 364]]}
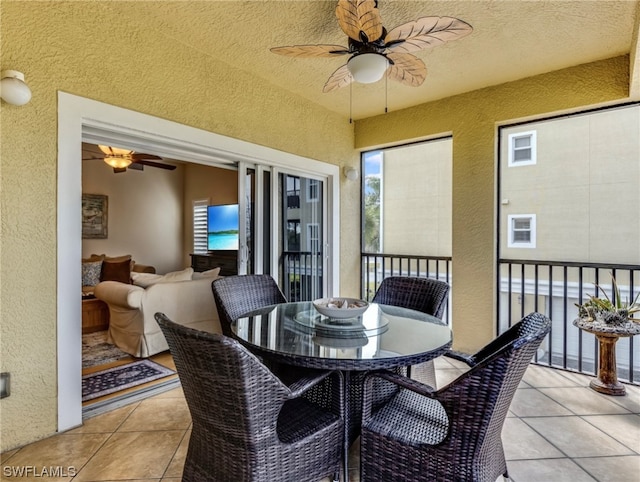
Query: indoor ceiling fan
{"points": [[121, 159], [374, 51]]}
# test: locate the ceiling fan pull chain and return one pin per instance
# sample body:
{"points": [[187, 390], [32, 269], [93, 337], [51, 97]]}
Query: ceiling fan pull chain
{"points": [[386, 93], [350, 102]]}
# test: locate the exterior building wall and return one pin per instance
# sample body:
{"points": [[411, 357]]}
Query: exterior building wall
{"points": [[583, 188], [416, 199]]}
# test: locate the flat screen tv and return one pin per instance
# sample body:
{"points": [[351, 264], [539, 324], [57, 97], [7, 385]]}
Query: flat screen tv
{"points": [[223, 224]]}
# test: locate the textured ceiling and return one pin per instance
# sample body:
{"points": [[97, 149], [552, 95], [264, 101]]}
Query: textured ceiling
{"points": [[512, 39]]}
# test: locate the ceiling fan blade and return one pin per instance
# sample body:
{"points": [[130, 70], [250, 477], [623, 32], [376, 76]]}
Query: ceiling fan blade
{"points": [[340, 78], [406, 69], [426, 32], [311, 50], [360, 20], [141, 157], [93, 158], [115, 151], [141, 162]]}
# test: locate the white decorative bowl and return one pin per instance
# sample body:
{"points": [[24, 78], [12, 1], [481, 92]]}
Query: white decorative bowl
{"points": [[332, 307]]}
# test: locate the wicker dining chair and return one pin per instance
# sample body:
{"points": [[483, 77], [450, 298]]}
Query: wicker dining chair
{"points": [[247, 424], [239, 294], [454, 433], [427, 295]]}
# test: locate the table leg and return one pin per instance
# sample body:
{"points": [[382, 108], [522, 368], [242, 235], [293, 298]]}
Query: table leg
{"points": [[346, 409], [607, 381]]}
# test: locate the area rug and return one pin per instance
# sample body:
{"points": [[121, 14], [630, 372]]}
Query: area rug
{"points": [[96, 350], [118, 378]]}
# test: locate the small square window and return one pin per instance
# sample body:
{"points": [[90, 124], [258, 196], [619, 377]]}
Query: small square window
{"points": [[522, 149], [522, 231]]}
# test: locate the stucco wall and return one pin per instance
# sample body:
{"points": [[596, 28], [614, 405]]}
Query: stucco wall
{"points": [[472, 119], [92, 50]]}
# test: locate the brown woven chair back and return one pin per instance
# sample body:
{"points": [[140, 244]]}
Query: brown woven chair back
{"points": [[427, 295], [237, 295], [247, 425], [453, 433]]}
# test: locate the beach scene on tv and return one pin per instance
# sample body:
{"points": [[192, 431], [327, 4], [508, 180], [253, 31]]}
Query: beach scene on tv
{"points": [[222, 227]]}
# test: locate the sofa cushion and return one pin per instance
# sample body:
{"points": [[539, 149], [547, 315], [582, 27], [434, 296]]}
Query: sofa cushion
{"points": [[145, 279], [116, 270], [212, 273], [91, 271], [182, 275]]}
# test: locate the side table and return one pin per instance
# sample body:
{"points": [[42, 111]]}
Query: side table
{"points": [[607, 335], [95, 315]]}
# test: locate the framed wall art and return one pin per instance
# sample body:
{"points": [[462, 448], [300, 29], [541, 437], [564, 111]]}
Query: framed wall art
{"points": [[94, 216]]}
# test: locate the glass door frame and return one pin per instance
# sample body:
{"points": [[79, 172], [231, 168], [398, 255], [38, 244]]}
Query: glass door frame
{"points": [[330, 222]]}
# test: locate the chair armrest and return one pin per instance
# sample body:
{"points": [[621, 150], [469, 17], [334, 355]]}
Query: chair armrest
{"points": [[315, 386], [463, 357], [404, 382], [143, 268], [119, 294], [302, 380]]}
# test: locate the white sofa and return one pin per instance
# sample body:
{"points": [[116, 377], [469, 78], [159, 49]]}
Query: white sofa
{"points": [[132, 326]]}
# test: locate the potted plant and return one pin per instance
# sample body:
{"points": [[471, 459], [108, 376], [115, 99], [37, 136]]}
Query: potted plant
{"points": [[606, 310]]}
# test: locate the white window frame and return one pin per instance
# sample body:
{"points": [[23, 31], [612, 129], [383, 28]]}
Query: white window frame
{"points": [[511, 243], [200, 226], [317, 185], [532, 145], [313, 238]]}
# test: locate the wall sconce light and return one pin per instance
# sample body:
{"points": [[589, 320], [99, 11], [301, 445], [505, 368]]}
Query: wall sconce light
{"points": [[13, 89], [351, 173]]}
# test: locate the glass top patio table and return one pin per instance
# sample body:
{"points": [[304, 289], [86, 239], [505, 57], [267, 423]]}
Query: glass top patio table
{"points": [[382, 337]]}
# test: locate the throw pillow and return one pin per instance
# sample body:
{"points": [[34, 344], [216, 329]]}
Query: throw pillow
{"points": [[93, 257], [116, 271], [114, 259], [145, 280], [91, 273], [183, 275], [212, 273]]}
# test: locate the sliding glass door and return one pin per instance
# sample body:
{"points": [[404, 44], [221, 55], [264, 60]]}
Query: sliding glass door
{"points": [[283, 229], [302, 240]]}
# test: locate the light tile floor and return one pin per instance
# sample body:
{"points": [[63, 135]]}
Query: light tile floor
{"points": [[558, 429]]}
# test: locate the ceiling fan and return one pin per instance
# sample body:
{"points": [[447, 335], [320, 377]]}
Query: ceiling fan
{"points": [[121, 159], [374, 51]]}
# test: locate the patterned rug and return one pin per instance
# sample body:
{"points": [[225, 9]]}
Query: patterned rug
{"points": [[96, 350], [118, 378]]}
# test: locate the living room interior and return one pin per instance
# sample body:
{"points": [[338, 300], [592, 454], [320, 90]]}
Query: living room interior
{"points": [[148, 71], [149, 218]]}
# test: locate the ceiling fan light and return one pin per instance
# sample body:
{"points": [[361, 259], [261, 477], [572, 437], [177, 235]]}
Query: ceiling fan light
{"points": [[117, 162], [367, 68]]}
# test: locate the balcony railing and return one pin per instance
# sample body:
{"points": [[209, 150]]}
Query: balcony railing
{"points": [[549, 287], [376, 267], [302, 274], [554, 288]]}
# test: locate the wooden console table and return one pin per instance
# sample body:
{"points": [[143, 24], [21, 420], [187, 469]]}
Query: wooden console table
{"points": [[95, 315], [607, 335], [226, 260]]}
